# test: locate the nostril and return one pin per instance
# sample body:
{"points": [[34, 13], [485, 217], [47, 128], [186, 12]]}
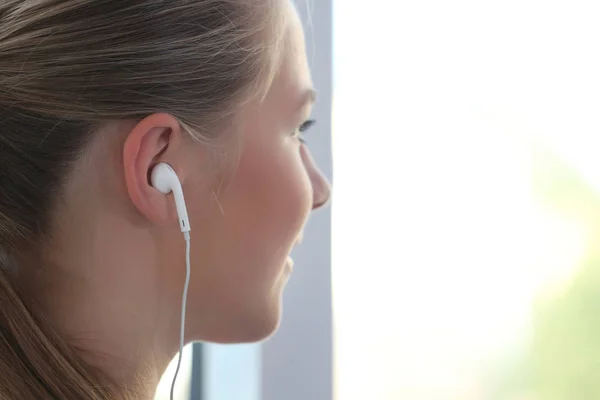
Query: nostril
{"points": [[316, 206]]}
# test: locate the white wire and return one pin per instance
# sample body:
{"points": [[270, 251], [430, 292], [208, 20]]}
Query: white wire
{"points": [[186, 235]]}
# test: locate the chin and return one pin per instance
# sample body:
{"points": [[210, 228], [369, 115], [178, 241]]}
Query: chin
{"points": [[262, 327], [255, 327]]}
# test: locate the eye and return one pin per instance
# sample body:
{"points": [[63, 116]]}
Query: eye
{"points": [[304, 128], [307, 125]]}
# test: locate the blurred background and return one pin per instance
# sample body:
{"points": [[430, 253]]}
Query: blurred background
{"points": [[466, 145], [460, 258]]}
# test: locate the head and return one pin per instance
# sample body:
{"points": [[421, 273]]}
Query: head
{"points": [[93, 95]]}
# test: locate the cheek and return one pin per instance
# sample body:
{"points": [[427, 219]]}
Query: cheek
{"points": [[240, 260], [276, 195]]}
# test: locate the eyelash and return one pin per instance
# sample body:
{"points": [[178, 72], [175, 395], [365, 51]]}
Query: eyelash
{"points": [[303, 128]]}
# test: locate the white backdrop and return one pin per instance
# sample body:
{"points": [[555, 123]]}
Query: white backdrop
{"points": [[439, 250]]}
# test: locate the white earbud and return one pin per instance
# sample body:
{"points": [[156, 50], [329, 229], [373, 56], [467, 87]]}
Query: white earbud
{"points": [[165, 180]]}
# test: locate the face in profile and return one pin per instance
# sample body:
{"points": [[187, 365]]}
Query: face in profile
{"points": [[242, 241]]}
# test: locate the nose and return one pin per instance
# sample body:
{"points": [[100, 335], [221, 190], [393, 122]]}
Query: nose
{"points": [[320, 185], [321, 192]]}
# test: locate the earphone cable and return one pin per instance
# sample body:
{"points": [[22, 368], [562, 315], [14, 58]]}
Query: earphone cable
{"points": [[183, 307]]}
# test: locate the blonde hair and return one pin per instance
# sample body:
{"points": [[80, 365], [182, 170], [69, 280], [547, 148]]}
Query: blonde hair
{"points": [[66, 68]]}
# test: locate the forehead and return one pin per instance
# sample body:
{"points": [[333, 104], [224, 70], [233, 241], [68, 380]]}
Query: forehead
{"points": [[293, 77]]}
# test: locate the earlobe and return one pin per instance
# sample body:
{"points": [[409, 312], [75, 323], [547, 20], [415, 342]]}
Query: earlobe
{"points": [[148, 141]]}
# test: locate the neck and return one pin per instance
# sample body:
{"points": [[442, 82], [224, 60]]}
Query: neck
{"points": [[122, 326]]}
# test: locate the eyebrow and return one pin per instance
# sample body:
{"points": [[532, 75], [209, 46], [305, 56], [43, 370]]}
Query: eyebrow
{"points": [[309, 97]]}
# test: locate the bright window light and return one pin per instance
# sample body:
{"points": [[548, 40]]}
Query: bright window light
{"points": [[454, 123]]}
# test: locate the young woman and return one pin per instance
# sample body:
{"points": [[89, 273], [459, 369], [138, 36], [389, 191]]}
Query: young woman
{"points": [[93, 95]]}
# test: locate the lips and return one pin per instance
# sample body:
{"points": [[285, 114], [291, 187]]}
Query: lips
{"points": [[299, 239], [290, 262]]}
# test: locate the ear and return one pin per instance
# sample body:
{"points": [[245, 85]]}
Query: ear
{"points": [[156, 138]]}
